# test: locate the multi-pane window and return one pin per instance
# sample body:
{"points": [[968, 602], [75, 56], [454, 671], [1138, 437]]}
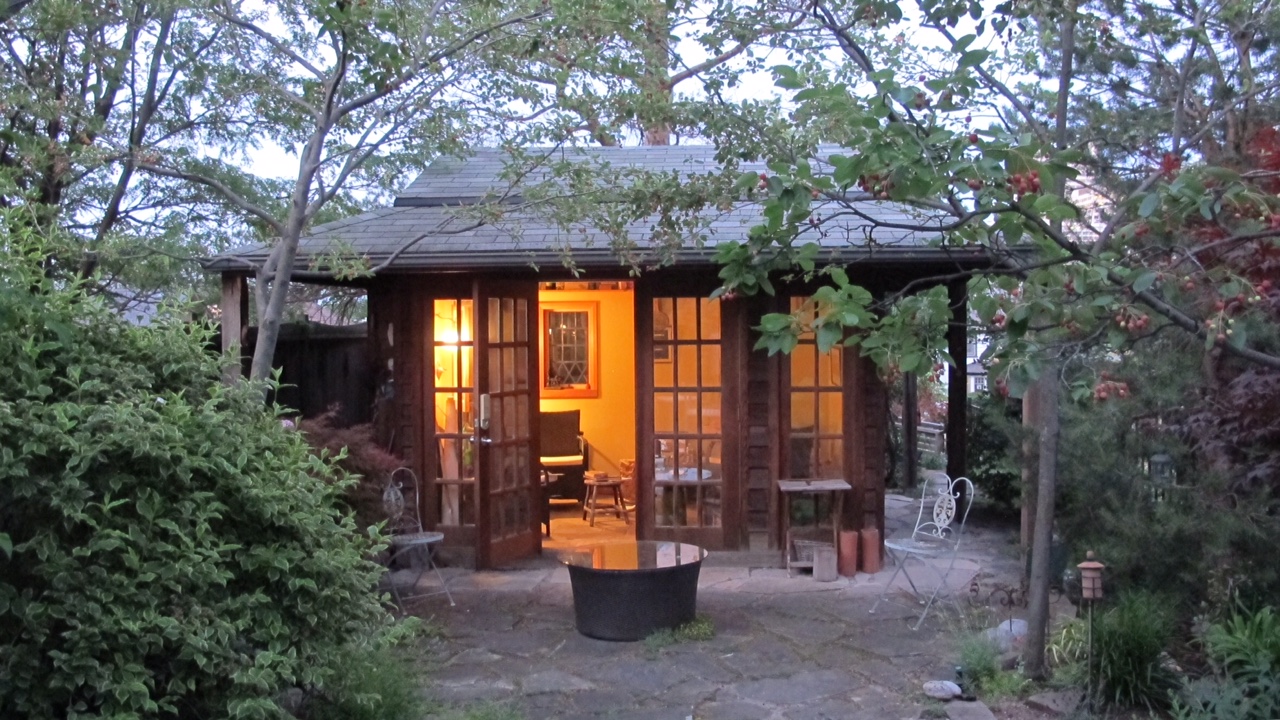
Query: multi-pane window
{"points": [[687, 429], [570, 348], [567, 349], [816, 408]]}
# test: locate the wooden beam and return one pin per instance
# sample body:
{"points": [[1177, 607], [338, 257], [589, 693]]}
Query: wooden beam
{"points": [[235, 321], [958, 380]]}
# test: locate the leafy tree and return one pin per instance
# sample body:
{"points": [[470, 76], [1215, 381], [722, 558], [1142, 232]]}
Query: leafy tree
{"points": [[84, 87]]}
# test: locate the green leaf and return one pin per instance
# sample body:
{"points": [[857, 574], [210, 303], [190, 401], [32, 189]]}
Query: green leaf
{"points": [[1149, 205], [1144, 281], [973, 58]]}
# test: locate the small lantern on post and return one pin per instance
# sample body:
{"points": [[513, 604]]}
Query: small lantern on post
{"points": [[1090, 578], [1090, 591]]}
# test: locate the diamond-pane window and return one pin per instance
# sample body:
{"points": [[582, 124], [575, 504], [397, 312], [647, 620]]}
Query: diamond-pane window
{"points": [[567, 338], [569, 350]]}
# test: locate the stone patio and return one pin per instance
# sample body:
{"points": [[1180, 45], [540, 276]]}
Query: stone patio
{"points": [[785, 647]]}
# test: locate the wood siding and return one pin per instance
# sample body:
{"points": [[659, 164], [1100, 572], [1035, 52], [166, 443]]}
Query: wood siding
{"points": [[761, 438]]}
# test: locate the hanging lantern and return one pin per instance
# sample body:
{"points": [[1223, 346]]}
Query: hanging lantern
{"points": [[1090, 577]]}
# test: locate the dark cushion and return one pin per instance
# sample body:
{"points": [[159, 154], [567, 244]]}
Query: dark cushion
{"points": [[560, 433]]}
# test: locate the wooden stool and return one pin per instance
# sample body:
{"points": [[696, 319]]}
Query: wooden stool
{"points": [[614, 496]]}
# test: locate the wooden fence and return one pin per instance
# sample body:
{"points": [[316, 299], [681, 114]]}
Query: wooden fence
{"points": [[323, 366]]}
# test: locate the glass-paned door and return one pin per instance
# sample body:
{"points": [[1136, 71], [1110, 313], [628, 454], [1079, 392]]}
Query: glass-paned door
{"points": [[687, 449], [454, 410], [507, 368]]}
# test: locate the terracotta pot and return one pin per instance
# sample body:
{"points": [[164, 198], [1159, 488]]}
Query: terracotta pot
{"points": [[871, 550], [848, 552]]}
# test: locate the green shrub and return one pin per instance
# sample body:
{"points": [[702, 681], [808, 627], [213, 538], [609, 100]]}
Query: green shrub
{"points": [[1245, 654], [1005, 684], [1068, 654], [1247, 646], [376, 684], [979, 659], [1128, 643], [993, 449], [176, 552]]}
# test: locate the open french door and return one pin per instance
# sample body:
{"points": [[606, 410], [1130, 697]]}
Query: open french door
{"points": [[506, 427]]}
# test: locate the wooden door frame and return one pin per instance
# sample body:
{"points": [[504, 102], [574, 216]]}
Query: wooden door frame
{"points": [[730, 534]]}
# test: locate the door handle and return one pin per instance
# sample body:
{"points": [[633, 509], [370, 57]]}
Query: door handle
{"points": [[485, 440], [483, 420]]}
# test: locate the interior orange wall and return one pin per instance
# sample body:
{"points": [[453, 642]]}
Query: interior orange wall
{"points": [[609, 420]]}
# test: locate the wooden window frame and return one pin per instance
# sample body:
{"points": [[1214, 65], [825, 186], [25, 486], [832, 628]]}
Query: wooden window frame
{"points": [[592, 388]]}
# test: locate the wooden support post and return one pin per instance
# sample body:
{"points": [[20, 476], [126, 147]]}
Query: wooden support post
{"points": [[910, 442], [958, 380], [235, 321]]}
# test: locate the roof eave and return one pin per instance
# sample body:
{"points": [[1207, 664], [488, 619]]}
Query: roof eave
{"points": [[596, 258]]}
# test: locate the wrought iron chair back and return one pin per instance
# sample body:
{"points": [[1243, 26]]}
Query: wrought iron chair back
{"points": [[954, 496], [396, 506]]}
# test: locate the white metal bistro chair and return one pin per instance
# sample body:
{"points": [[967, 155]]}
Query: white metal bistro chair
{"points": [[407, 534], [935, 536]]}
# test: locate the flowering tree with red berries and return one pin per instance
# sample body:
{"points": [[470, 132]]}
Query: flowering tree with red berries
{"points": [[1125, 193]]}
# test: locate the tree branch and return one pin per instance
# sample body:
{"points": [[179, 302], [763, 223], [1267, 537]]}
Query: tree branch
{"points": [[222, 188]]}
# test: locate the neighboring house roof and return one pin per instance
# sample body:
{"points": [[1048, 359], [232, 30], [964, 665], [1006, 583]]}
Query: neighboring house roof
{"points": [[425, 228]]}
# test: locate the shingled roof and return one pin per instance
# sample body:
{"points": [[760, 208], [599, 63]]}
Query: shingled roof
{"points": [[427, 227]]}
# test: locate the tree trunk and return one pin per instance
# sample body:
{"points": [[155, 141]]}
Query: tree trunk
{"points": [[1038, 608], [655, 82], [1030, 464], [1049, 389], [273, 281]]}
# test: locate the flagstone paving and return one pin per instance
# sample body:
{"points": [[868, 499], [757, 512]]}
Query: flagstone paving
{"points": [[784, 647]]}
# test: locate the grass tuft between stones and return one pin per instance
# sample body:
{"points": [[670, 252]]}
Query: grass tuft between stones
{"points": [[697, 630]]}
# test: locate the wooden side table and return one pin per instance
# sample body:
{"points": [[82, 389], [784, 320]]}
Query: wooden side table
{"points": [[814, 487], [613, 490]]}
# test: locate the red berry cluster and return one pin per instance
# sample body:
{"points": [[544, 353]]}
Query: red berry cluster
{"points": [[1109, 387], [1132, 320], [875, 184], [764, 181], [1024, 184]]}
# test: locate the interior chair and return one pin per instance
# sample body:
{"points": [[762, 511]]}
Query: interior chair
{"points": [[562, 454], [407, 533], [935, 536]]}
